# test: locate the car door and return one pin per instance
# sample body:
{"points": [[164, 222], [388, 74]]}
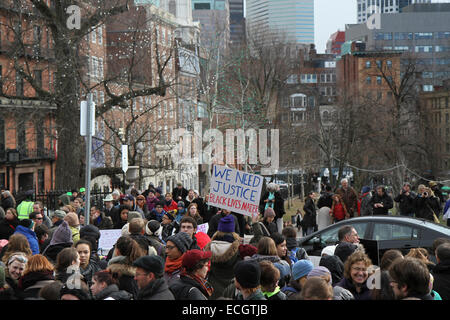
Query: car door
{"points": [[396, 236]]}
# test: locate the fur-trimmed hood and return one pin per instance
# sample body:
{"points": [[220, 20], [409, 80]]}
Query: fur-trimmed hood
{"points": [[117, 265], [223, 251]]}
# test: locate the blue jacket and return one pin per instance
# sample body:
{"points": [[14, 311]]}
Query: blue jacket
{"points": [[31, 237]]}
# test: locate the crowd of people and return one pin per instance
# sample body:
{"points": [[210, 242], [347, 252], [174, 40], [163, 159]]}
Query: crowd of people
{"points": [[161, 254], [429, 203]]}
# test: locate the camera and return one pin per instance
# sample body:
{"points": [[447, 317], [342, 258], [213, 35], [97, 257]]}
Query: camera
{"points": [[425, 194]]}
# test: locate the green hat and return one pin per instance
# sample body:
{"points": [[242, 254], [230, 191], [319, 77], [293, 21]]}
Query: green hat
{"points": [[82, 189], [69, 193]]}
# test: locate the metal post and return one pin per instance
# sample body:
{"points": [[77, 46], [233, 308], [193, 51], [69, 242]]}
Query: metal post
{"points": [[87, 210]]}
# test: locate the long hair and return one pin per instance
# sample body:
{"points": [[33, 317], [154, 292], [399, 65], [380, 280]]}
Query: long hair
{"points": [[266, 246], [38, 263], [129, 248], [65, 258], [17, 243], [188, 214]]}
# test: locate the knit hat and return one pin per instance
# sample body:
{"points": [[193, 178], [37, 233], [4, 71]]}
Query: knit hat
{"points": [[328, 250], [365, 189], [153, 227], [247, 250], [319, 272], [180, 204], [27, 223], [247, 273], [133, 214], [269, 213], [62, 234], [59, 214], [182, 240], [72, 219], [192, 257], [202, 239], [90, 231], [169, 215], [301, 268], [158, 190], [344, 250], [226, 224], [152, 263], [79, 293]]}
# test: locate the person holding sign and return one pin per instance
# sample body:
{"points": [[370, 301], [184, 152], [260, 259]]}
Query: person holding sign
{"points": [[214, 222]]}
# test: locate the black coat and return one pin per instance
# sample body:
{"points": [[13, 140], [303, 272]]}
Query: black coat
{"points": [[156, 290], [8, 227], [31, 283], [7, 203], [309, 219], [187, 288], [183, 193], [52, 251], [214, 224], [441, 274], [104, 222], [325, 200], [406, 203], [425, 206], [385, 200], [112, 291]]}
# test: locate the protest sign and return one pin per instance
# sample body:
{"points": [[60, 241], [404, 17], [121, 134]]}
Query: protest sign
{"points": [[108, 239], [235, 190], [203, 228]]}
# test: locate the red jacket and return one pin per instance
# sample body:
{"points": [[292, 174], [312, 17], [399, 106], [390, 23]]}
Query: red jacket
{"points": [[338, 211], [173, 206]]}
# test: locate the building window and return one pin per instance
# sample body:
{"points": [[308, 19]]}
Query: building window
{"points": [[389, 64], [368, 80], [19, 85], [427, 88], [379, 64], [379, 80], [423, 35], [368, 64], [100, 34]]}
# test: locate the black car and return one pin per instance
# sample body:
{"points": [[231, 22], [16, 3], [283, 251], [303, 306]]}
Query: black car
{"points": [[380, 233]]}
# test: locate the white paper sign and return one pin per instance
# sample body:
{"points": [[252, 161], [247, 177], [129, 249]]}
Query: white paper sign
{"points": [[235, 190], [108, 238], [203, 228]]}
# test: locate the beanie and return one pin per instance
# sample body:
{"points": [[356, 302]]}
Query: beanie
{"points": [[182, 240], [62, 234], [319, 272], [202, 239], [79, 293], [269, 213], [90, 231], [153, 227], [365, 189], [247, 250], [59, 214], [72, 219], [153, 264], [301, 268], [27, 223], [344, 250], [247, 273], [226, 224], [180, 204]]}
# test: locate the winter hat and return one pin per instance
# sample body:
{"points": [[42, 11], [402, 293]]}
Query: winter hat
{"points": [[226, 224], [180, 204], [79, 293], [192, 257], [158, 190], [90, 231], [344, 250], [27, 223], [247, 273], [72, 219], [132, 215], [365, 189], [59, 214], [202, 239], [65, 199], [301, 268], [62, 234], [269, 213], [319, 272], [182, 240], [152, 263], [125, 231], [247, 250], [153, 227], [328, 250], [169, 215]]}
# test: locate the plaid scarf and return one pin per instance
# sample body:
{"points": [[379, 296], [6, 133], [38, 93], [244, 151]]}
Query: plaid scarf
{"points": [[205, 287]]}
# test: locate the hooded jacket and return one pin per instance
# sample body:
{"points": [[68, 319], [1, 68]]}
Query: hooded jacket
{"points": [[125, 272], [225, 255], [31, 237], [62, 238], [441, 274], [335, 266]]}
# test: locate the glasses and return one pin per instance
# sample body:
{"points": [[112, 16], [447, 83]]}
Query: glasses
{"points": [[359, 269], [38, 218]]}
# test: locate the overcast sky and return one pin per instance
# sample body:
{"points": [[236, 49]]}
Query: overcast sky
{"points": [[329, 16]]}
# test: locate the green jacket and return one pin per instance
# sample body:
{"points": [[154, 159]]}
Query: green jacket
{"points": [[24, 209]]}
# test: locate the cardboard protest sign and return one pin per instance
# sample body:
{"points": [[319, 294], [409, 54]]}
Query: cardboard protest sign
{"points": [[108, 239], [203, 228], [235, 190]]}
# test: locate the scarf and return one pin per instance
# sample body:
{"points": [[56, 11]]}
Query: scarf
{"points": [[269, 204], [31, 278], [205, 287], [173, 265]]}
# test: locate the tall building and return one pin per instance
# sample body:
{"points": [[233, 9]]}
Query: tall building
{"points": [[368, 7], [237, 21], [295, 18], [422, 34], [214, 18]]}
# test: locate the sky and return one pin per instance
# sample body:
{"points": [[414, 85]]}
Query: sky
{"points": [[329, 16]]}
